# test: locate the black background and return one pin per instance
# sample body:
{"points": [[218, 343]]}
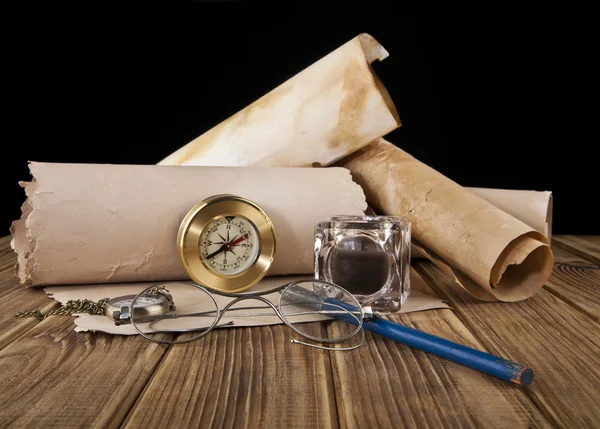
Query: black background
{"points": [[478, 91]]}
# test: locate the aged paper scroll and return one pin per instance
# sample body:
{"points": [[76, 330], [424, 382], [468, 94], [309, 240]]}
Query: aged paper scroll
{"points": [[328, 110], [493, 255], [99, 223], [531, 207]]}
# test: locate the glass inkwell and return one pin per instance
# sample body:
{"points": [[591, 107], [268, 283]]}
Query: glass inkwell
{"points": [[367, 255]]}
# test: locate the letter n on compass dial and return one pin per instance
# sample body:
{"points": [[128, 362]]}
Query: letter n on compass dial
{"points": [[229, 245]]}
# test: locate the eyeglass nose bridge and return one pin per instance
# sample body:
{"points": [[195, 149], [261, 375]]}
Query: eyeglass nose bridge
{"points": [[251, 297], [365, 313]]}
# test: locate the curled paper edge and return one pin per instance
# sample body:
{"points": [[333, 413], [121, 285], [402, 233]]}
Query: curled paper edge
{"points": [[326, 111], [527, 256], [494, 293], [21, 236]]}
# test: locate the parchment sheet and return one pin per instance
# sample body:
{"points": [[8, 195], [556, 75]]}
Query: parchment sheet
{"points": [[531, 207], [493, 255], [103, 223], [418, 300], [326, 111]]}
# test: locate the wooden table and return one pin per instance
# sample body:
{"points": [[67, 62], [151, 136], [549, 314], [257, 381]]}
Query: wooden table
{"points": [[52, 376]]}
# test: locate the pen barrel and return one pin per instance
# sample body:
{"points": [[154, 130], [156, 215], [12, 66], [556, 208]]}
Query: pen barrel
{"points": [[476, 359], [466, 356], [481, 361]]}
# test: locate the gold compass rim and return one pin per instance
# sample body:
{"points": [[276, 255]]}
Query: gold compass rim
{"points": [[191, 229]]}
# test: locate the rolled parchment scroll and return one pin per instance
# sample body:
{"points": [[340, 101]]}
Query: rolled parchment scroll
{"points": [[328, 110], [492, 254], [102, 223]]}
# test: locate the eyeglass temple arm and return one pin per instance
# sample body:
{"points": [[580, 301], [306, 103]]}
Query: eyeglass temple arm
{"points": [[484, 362]]}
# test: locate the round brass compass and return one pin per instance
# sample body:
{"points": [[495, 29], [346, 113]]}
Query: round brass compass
{"points": [[226, 243]]}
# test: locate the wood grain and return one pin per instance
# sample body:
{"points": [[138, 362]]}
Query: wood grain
{"points": [[565, 257], [577, 282], [584, 246], [8, 257], [5, 243], [15, 297], [557, 341], [55, 377], [239, 378], [52, 376], [385, 384], [7, 262]]}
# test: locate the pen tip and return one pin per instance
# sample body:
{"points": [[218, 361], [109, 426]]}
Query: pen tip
{"points": [[526, 377]]}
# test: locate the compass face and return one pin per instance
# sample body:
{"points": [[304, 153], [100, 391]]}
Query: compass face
{"points": [[229, 245]]}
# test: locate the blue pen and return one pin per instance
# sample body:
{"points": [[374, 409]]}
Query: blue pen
{"points": [[484, 362], [467, 356]]}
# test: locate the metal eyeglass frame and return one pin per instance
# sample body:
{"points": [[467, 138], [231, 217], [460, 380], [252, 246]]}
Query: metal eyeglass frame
{"points": [[365, 314]]}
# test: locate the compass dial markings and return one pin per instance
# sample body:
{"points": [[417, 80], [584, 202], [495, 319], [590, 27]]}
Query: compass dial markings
{"points": [[233, 231]]}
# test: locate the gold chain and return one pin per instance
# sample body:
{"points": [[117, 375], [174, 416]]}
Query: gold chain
{"points": [[70, 307], [77, 306]]}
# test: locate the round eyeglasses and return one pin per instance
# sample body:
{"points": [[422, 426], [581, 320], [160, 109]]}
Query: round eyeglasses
{"points": [[195, 310]]}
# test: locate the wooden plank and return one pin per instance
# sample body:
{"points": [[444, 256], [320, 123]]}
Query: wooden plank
{"points": [[5, 244], [385, 384], [7, 263], [8, 257], [15, 297], [239, 378], [557, 341], [577, 282], [565, 257], [56, 377], [585, 246]]}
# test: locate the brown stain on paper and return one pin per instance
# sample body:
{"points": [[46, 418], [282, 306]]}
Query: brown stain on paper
{"points": [[242, 119], [361, 87], [355, 92]]}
